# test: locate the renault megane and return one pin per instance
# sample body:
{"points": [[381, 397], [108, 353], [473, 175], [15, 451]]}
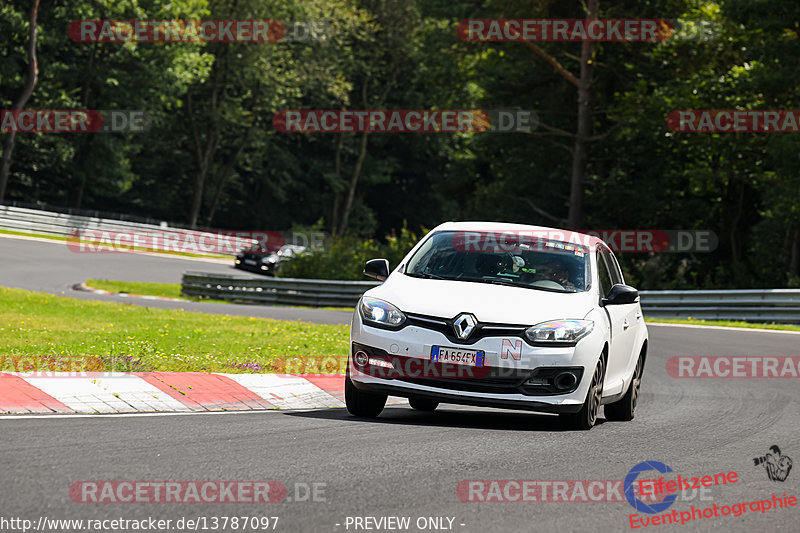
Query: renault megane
{"points": [[500, 315]]}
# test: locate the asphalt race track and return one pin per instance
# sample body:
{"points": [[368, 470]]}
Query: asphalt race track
{"points": [[409, 464], [49, 266]]}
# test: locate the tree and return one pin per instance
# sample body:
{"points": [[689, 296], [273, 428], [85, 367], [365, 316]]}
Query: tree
{"points": [[383, 51], [27, 91]]}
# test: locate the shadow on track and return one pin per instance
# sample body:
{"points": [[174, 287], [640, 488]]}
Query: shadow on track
{"points": [[449, 418]]}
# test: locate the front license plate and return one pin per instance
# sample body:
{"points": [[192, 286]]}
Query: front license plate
{"points": [[457, 356], [249, 261]]}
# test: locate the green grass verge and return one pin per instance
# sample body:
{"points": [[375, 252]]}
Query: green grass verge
{"points": [[40, 331], [724, 323], [166, 290], [140, 288], [144, 288], [34, 235]]}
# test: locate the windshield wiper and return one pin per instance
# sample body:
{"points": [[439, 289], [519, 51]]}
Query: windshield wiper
{"points": [[501, 281], [509, 283], [425, 275], [495, 281]]}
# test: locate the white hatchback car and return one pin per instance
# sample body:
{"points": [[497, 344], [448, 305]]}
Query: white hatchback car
{"points": [[500, 315]]}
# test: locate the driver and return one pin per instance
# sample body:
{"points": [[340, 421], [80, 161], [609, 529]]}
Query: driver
{"points": [[556, 270]]}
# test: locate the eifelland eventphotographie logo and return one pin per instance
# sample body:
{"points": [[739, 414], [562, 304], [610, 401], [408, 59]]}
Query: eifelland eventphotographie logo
{"points": [[777, 465]]}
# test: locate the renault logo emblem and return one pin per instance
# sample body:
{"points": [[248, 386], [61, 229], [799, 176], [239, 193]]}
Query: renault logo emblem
{"points": [[463, 325]]}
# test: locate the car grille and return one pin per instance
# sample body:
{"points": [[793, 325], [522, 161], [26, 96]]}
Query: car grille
{"points": [[481, 331]]}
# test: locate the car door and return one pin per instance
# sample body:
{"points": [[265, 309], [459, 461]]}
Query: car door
{"points": [[620, 318]]}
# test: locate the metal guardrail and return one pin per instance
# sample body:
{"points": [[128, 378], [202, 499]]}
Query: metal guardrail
{"points": [[278, 291], [92, 213], [65, 225], [752, 305], [771, 305]]}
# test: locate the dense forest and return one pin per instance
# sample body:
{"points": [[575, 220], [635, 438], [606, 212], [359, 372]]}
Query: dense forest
{"points": [[601, 156]]}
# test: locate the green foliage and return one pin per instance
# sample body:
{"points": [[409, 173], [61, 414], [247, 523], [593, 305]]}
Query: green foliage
{"points": [[345, 257], [732, 54], [38, 332]]}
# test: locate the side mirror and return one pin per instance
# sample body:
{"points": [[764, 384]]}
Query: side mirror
{"points": [[621, 294], [377, 268]]}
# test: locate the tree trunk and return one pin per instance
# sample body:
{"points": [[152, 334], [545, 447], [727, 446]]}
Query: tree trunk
{"points": [[30, 84], [337, 195], [351, 190], [226, 173], [794, 260], [575, 217], [204, 156], [84, 144], [362, 153]]}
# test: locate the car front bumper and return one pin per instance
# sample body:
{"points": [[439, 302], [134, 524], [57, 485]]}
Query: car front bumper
{"points": [[520, 380]]}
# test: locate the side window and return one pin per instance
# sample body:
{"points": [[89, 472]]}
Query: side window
{"points": [[613, 266], [603, 275]]}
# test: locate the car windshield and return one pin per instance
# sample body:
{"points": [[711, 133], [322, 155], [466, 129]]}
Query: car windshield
{"points": [[503, 259]]}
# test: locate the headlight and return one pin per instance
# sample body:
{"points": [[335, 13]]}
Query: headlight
{"points": [[272, 258], [378, 312], [560, 331]]}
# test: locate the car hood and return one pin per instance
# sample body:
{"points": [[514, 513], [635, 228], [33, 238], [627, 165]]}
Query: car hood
{"points": [[489, 303]]}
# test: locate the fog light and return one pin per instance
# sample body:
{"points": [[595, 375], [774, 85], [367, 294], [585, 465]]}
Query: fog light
{"points": [[361, 359], [238, 262], [380, 362], [263, 267]]}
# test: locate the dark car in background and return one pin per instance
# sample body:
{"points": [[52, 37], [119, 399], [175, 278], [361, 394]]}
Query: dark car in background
{"points": [[266, 262]]}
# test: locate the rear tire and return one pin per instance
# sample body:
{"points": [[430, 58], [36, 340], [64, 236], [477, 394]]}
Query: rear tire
{"points": [[624, 409], [587, 416], [423, 404], [363, 404]]}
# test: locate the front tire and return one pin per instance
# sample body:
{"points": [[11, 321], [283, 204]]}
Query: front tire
{"points": [[423, 404], [587, 416], [363, 404], [624, 409]]}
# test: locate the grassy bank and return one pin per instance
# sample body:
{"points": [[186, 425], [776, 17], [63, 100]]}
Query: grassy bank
{"points": [[165, 290], [139, 288], [44, 332]]}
